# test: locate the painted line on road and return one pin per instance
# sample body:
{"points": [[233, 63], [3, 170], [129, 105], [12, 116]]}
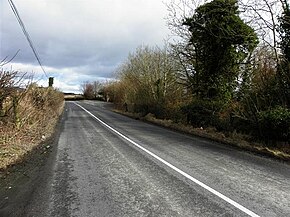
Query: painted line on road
{"points": [[220, 195]]}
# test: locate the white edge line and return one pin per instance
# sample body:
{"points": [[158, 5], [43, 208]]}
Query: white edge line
{"points": [[213, 191]]}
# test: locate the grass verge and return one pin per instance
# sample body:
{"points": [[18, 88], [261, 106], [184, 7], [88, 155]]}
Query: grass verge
{"points": [[233, 139], [28, 124]]}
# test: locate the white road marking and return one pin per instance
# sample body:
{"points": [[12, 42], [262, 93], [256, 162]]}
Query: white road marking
{"points": [[220, 195]]}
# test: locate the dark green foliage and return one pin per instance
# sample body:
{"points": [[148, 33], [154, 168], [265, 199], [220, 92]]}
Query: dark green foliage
{"points": [[157, 109], [229, 86], [283, 75], [285, 31], [221, 42], [275, 124], [202, 113]]}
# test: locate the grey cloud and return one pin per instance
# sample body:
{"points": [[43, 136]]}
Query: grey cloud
{"points": [[81, 39]]}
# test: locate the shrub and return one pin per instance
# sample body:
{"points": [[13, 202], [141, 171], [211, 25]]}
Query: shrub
{"points": [[31, 115], [203, 113], [275, 124]]}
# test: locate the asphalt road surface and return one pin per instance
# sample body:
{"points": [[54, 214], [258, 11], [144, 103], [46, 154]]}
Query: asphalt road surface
{"points": [[110, 165]]}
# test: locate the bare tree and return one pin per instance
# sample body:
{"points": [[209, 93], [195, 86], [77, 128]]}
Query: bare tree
{"points": [[6, 60], [97, 87], [148, 80], [178, 11], [263, 16], [91, 90], [87, 89]]}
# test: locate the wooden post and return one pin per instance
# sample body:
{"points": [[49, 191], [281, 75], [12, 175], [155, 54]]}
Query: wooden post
{"points": [[50, 81], [15, 104]]}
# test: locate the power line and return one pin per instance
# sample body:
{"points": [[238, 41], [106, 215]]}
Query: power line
{"points": [[14, 9]]}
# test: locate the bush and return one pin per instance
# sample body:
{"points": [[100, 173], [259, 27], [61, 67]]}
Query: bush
{"points": [[275, 124], [203, 113], [30, 116]]}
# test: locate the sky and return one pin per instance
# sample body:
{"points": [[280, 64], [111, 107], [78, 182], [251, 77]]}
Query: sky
{"points": [[79, 40]]}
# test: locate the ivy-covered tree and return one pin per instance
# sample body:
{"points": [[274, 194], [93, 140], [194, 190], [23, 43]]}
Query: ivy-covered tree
{"points": [[221, 42], [284, 68], [285, 30]]}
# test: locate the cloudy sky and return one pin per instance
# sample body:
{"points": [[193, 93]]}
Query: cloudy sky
{"points": [[79, 40]]}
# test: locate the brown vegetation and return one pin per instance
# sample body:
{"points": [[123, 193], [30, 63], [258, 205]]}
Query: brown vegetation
{"points": [[230, 138], [28, 117], [238, 93], [92, 90]]}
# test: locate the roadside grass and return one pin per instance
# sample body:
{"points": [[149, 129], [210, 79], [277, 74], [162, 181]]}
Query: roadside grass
{"points": [[28, 123], [234, 139]]}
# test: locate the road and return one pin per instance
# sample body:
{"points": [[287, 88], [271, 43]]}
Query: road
{"points": [[110, 165]]}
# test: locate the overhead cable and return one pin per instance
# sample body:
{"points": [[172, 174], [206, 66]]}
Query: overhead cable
{"points": [[14, 9]]}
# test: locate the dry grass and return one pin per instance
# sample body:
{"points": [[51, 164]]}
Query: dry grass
{"points": [[37, 113], [234, 139]]}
